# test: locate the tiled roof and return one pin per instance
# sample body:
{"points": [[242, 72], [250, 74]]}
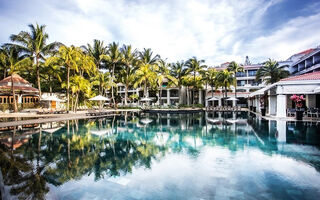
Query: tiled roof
{"points": [[20, 84], [16, 79], [305, 52], [304, 77]]}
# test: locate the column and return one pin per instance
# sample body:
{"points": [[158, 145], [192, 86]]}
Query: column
{"points": [[168, 97], [281, 105], [200, 97], [219, 102]]}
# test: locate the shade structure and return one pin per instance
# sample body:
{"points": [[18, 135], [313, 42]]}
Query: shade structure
{"points": [[99, 98], [146, 121], [53, 98], [232, 99], [317, 90], [146, 99], [213, 99]]}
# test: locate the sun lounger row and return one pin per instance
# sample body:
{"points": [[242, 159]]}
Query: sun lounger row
{"points": [[47, 111], [97, 113], [225, 108]]}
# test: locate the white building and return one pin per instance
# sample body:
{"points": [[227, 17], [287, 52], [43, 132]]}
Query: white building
{"points": [[277, 96]]}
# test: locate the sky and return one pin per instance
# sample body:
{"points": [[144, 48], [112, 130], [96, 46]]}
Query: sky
{"points": [[217, 31]]}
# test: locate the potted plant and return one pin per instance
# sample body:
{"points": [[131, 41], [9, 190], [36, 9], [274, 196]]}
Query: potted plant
{"points": [[298, 101], [263, 109]]}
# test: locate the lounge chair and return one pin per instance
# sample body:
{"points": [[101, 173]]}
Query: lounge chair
{"points": [[291, 112]]}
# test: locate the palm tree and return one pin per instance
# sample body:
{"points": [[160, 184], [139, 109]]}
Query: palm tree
{"points": [[69, 58], [212, 78], [129, 62], [194, 66], [13, 62], [179, 71], [113, 57], [163, 73], [225, 78], [34, 45], [271, 73], [234, 67], [147, 70], [96, 51], [79, 84]]}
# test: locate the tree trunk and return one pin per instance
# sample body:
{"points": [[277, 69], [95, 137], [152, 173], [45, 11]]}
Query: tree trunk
{"points": [[13, 95], [50, 85], [188, 96], [126, 94], [160, 93], [180, 97], [38, 75], [76, 102], [226, 92], [68, 85], [112, 95], [194, 87]]}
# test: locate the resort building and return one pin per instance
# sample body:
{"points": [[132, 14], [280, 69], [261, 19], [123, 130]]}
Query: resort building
{"points": [[246, 83], [307, 63], [26, 95], [275, 98]]}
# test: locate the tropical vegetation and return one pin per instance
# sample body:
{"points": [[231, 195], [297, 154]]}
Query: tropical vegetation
{"points": [[104, 69]]}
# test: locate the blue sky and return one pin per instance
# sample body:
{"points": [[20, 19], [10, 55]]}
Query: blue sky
{"points": [[214, 30]]}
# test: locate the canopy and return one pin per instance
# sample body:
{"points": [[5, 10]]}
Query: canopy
{"points": [[213, 99], [53, 98], [146, 121], [232, 99], [146, 99], [99, 98], [317, 90]]}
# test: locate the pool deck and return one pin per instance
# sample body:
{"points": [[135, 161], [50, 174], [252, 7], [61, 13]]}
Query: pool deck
{"points": [[52, 117]]}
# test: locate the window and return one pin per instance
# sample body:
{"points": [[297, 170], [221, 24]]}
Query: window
{"points": [[241, 74], [252, 72], [241, 83], [0, 100]]}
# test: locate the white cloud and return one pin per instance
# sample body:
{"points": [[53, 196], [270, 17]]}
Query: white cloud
{"points": [[217, 31]]}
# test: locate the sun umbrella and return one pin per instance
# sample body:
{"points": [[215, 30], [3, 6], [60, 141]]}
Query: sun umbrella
{"points": [[146, 121], [232, 99], [146, 99], [213, 99], [53, 98], [99, 98]]}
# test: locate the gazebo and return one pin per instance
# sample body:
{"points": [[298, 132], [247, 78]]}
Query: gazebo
{"points": [[26, 95]]}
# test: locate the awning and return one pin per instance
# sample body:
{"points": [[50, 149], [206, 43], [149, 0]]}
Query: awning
{"points": [[316, 90]]}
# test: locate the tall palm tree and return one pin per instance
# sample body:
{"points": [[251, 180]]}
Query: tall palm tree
{"points": [[13, 61], [225, 79], [129, 61], [34, 44], [96, 51], [163, 73], [194, 66], [212, 78], [113, 58], [234, 67], [69, 58], [271, 73], [179, 71], [146, 72]]}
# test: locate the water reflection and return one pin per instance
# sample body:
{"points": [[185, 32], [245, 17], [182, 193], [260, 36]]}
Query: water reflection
{"points": [[42, 155]]}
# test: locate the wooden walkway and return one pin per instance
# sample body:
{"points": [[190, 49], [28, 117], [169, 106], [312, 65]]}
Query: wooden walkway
{"points": [[44, 119]]}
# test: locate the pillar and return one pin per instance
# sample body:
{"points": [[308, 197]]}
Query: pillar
{"points": [[200, 97], [281, 105], [219, 102], [272, 105]]}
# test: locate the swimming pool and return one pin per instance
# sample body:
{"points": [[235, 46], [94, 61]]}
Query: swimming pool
{"points": [[163, 156]]}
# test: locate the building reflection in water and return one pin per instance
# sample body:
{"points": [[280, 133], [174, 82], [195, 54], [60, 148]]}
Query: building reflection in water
{"points": [[34, 156]]}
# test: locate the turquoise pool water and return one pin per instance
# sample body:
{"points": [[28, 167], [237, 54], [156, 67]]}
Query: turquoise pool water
{"points": [[153, 156]]}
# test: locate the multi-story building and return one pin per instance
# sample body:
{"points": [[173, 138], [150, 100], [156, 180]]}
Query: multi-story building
{"points": [[246, 83], [309, 62]]}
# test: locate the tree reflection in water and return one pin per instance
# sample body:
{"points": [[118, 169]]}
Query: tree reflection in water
{"points": [[114, 147]]}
